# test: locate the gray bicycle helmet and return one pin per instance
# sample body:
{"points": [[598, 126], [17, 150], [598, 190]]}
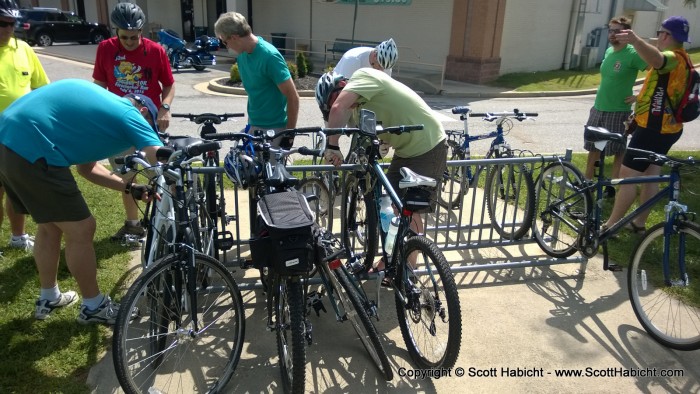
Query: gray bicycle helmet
{"points": [[9, 9], [387, 54], [328, 83], [240, 168], [128, 16]]}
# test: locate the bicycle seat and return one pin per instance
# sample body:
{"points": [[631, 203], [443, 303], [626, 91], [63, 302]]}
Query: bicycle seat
{"points": [[596, 134], [411, 179], [180, 143], [280, 177]]}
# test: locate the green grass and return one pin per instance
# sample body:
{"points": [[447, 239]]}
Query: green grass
{"points": [[561, 80]]}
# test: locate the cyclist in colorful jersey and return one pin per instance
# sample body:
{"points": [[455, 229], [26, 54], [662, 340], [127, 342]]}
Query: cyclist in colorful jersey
{"points": [[44, 133], [394, 104], [130, 63], [656, 129], [382, 57], [20, 73]]}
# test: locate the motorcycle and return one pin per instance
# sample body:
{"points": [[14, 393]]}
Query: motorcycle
{"points": [[181, 56]]}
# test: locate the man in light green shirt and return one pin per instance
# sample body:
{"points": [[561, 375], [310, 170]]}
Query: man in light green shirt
{"points": [[614, 97], [394, 104]]}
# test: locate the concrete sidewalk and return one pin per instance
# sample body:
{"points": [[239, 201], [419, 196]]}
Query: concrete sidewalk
{"points": [[521, 327]]}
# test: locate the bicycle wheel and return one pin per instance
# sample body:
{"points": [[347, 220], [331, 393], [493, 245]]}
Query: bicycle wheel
{"points": [[431, 319], [290, 331], [510, 193], [161, 350], [322, 206], [455, 181], [668, 307], [359, 219], [561, 209], [161, 233], [356, 313]]}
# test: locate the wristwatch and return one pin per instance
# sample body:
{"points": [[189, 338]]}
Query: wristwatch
{"points": [[165, 106]]}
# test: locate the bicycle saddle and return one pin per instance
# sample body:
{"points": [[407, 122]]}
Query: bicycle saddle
{"points": [[596, 134], [411, 179], [180, 143]]}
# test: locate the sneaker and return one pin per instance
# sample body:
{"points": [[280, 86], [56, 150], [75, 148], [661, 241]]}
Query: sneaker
{"points": [[128, 229], [105, 313], [25, 242], [45, 307]]}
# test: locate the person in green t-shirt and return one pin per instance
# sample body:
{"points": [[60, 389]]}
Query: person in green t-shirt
{"points": [[614, 98], [394, 104]]}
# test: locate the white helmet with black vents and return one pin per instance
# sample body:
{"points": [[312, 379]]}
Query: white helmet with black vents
{"points": [[387, 54]]}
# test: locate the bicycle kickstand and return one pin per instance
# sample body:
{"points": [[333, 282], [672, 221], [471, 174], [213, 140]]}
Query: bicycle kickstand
{"points": [[606, 261]]}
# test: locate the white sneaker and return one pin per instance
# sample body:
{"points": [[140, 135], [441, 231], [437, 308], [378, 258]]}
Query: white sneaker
{"points": [[106, 313], [25, 242], [45, 307]]}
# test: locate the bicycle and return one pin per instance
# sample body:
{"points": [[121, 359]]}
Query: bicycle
{"points": [[664, 261], [509, 188], [181, 323], [281, 244], [427, 302], [325, 185]]}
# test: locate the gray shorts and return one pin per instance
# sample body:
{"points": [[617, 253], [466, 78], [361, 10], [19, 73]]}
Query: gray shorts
{"points": [[47, 193], [613, 122], [431, 164]]}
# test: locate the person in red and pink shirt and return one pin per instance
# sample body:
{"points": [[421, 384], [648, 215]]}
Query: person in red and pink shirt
{"points": [[130, 63]]}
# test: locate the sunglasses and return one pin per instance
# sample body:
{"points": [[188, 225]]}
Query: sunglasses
{"points": [[614, 31], [7, 24], [658, 32]]}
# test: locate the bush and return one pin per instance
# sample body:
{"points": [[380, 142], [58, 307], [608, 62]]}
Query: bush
{"points": [[235, 74], [302, 66], [293, 70]]}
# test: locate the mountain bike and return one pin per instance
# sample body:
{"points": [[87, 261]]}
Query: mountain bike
{"points": [[664, 296], [427, 302], [509, 188], [181, 323]]}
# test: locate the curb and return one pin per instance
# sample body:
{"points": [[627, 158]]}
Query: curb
{"points": [[219, 88]]}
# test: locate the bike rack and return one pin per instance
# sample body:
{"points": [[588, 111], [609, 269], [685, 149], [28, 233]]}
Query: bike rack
{"points": [[462, 229]]}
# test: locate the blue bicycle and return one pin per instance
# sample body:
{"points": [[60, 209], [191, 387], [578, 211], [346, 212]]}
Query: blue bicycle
{"points": [[509, 187]]}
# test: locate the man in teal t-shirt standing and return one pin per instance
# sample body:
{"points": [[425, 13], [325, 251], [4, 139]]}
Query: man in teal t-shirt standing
{"points": [[614, 97], [273, 101]]}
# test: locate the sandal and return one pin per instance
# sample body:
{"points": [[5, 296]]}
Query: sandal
{"points": [[635, 229], [376, 267]]}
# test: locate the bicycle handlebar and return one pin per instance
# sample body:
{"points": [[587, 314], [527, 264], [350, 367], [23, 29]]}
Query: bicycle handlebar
{"points": [[659, 159], [490, 116], [208, 117], [400, 129]]}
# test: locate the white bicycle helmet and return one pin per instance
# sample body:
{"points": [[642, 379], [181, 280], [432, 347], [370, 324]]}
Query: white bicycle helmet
{"points": [[128, 16], [328, 83], [9, 9], [240, 168], [387, 54]]}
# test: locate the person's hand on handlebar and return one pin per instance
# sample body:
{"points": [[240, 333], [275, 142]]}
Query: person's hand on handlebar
{"points": [[333, 155], [141, 192]]}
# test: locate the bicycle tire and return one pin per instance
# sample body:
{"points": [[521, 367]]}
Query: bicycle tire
{"points": [[290, 325], [158, 240], [361, 322], [180, 358], [359, 219], [561, 209], [510, 200], [322, 207], [670, 313], [433, 314], [453, 187]]}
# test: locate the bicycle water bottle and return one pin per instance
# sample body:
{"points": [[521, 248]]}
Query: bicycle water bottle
{"points": [[386, 212], [391, 236]]}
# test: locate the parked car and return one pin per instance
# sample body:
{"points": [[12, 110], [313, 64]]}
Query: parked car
{"points": [[44, 26]]}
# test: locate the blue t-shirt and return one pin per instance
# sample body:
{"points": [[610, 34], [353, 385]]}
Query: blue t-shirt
{"points": [[71, 122], [261, 72]]}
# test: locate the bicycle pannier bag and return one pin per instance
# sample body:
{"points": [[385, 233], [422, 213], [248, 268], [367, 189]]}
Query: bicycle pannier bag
{"points": [[285, 242]]}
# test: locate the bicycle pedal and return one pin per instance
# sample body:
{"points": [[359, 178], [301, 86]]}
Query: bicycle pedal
{"points": [[224, 241], [614, 267]]}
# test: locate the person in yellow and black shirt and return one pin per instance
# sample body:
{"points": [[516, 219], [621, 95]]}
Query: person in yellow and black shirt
{"points": [[20, 73], [656, 128]]}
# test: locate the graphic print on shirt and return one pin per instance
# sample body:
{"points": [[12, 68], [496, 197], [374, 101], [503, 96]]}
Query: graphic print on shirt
{"points": [[130, 78]]}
